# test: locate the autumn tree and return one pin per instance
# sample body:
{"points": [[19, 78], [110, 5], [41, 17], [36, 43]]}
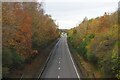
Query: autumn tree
{"points": [[26, 28], [97, 41]]}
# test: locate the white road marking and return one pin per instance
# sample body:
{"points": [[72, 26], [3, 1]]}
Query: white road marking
{"points": [[52, 51], [59, 68], [73, 62], [59, 62], [58, 76], [21, 77]]}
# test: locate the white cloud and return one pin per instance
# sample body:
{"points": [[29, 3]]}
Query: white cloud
{"points": [[71, 12], [79, 0]]}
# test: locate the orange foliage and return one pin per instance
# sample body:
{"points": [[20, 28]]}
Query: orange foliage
{"points": [[25, 25]]}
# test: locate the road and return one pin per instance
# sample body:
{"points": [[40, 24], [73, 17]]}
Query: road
{"points": [[60, 64]]}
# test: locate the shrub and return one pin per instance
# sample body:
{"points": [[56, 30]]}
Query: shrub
{"points": [[82, 48], [6, 57], [11, 58], [92, 58], [5, 71], [107, 67], [17, 59], [116, 61], [91, 36]]}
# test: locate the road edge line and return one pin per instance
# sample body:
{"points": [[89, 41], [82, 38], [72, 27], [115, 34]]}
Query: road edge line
{"points": [[73, 62], [39, 76]]}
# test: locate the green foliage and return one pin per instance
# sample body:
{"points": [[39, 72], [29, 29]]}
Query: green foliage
{"points": [[6, 57], [106, 66], [11, 58], [116, 61], [82, 47], [92, 58], [17, 59], [91, 36]]}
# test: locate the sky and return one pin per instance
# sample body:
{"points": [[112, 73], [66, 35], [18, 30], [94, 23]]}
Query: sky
{"points": [[69, 13]]}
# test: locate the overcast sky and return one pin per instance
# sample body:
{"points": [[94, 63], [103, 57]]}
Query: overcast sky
{"points": [[69, 13]]}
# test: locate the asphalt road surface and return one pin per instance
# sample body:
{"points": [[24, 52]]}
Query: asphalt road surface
{"points": [[60, 64]]}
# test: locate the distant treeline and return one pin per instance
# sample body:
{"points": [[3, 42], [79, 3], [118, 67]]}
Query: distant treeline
{"points": [[26, 30], [97, 41]]}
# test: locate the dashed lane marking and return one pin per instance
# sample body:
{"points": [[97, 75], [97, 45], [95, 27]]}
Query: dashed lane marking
{"points": [[59, 62], [58, 76], [59, 68]]}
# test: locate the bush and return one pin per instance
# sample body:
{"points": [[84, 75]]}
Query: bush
{"points": [[82, 49], [107, 67], [6, 57], [17, 59], [11, 58], [91, 36], [5, 71], [92, 58], [116, 61]]}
